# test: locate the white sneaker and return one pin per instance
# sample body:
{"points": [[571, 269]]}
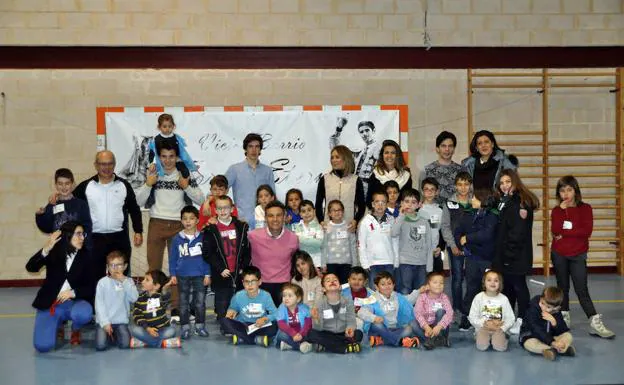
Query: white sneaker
{"points": [[597, 328], [305, 347], [566, 318], [515, 328], [285, 346]]}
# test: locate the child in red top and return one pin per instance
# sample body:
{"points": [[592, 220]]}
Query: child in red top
{"points": [[208, 211], [571, 226]]}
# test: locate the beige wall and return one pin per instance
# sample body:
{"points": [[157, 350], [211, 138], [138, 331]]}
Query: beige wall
{"points": [[312, 22]]}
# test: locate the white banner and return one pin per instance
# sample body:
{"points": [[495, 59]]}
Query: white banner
{"points": [[296, 143]]}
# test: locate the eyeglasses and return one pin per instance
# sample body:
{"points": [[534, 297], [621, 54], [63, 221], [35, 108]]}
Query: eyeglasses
{"points": [[80, 234], [250, 282], [115, 266]]}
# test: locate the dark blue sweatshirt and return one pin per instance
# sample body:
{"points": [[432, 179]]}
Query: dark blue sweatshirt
{"points": [[73, 209], [479, 227], [534, 326]]}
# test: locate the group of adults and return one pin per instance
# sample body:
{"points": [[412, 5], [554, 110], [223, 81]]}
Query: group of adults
{"points": [[74, 265]]}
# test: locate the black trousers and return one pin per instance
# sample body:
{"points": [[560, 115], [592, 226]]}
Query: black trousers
{"points": [[575, 268], [333, 342], [275, 289], [515, 289], [104, 244]]}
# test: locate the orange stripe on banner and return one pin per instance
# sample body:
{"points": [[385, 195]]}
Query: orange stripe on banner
{"points": [[153, 109], [403, 118], [194, 109], [313, 108], [100, 113], [406, 157], [274, 108], [233, 109], [351, 108]]}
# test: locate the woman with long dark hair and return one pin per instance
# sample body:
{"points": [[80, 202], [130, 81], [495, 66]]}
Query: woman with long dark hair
{"points": [[486, 161], [390, 166]]}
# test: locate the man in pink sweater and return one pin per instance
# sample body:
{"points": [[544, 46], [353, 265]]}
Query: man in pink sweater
{"points": [[271, 250]]}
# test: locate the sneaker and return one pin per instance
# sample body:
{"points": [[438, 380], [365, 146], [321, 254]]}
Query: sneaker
{"points": [[410, 342], [352, 348], [375, 341], [75, 338], [305, 347], [135, 343], [550, 354], [175, 315], [566, 318], [202, 332], [234, 339], [171, 343], [515, 328], [262, 341], [597, 328], [464, 325], [284, 346], [320, 348], [570, 352]]}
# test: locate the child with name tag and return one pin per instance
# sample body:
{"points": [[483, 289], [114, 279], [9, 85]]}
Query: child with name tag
{"points": [[389, 318], [356, 290], [306, 276], [293, 320], [63, 206], [544, 330], [572, 224], [334, 326], [433, 313], [309, 232], [375, 239], [208, 214], [415, 243], [264, 195], [190, 272], [432, 211], [151, 326], [294, 198], [338, 252], [114, 295], [250, 319], [491, 314], [455, 207]]}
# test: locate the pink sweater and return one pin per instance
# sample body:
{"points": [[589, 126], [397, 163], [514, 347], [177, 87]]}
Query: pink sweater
{"points": [[273, 255], [426, 306]]}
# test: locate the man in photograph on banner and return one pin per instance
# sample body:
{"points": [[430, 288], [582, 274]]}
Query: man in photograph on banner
{"points": [[246, 176], [365, 158]]}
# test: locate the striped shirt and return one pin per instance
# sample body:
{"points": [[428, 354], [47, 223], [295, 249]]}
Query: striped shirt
{"points": [[150, 310]]}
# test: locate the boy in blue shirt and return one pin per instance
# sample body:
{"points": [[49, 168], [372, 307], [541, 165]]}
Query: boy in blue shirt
{"points": [[190, 272], [251, 317]]}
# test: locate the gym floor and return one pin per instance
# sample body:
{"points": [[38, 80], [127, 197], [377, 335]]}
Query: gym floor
{"points": [[214, 360]]}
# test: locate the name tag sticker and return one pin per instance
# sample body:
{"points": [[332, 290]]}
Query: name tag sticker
{"points": [[452, 205], [342, 234], [58, 208], [195, 250], [342, 310], [310, 296], [567, 225], [328, 314], [435, 218], [436, 306]]}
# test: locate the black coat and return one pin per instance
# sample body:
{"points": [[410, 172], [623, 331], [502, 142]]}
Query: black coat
{"points": [[514, 240], [79, 276], [213, 253], [375, 185]]}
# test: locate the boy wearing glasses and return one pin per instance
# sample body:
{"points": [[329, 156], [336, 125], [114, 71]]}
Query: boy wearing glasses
{"points": [[190, 272], [432, 212], [226, 249], [251, 317], [544, 331], [114, 295]]}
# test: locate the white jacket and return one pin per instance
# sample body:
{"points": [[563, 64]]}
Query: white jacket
{"points": [[375, 242]]}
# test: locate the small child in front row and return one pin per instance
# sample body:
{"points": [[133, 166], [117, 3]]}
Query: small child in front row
{"points": [[544, 331], [190, 272], [390, 316], [114, 295], [338, 252], [491, 314], [251, 306], [264, 195], [334, 326], [294, 197], [151, 326], [433, 313], [309, 232], [293, 320], [357, 291], [305, 276]]}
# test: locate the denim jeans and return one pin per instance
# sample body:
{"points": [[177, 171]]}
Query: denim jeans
{"points": [[475, 268], [141, 333], [121, 337], [457, 281], [376, 269], [391, 336], [575, 268], [44, 335], [420, 332], [411, 277], [283, 337], [194, 285]]}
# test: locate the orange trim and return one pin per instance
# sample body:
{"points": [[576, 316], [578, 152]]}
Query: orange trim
{"points": [[406, 157], [194, 109], [351, 108], [153, 109], [274, 108], [403, 112], [100, 113], [313, 108], [233, 109]]}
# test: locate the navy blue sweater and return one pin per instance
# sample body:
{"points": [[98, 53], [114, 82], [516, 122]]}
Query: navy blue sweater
{"points": [[479, 227], [73, 209], [534, 326]]}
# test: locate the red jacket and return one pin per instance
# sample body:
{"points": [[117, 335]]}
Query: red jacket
{"points": [[574, 241]]}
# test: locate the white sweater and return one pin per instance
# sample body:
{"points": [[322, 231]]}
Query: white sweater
{"points": [[486, 308], [169, 196], [375, 242]]}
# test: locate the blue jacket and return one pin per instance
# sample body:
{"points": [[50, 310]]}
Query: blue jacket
{"points": [[183, 155], [185, 256], [480, 231], [405, 314], [303, 312]]}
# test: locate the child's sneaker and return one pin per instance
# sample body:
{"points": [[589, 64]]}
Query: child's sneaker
{"points": [[284, 346], [234, 339], [353, 348], [566, 318], [375, 341], [75, 337], [597, 328], [262, 341], [186, 332], [570, 351], [320, 348], [550, 354], [136, 343], [515, 328], [171, 343], [202, 332], [305, 347], [410, 342]]}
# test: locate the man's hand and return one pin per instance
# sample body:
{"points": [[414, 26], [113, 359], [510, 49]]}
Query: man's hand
{"points": [[138, 239], [226, 273], [173, 281], [352, 226]]}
